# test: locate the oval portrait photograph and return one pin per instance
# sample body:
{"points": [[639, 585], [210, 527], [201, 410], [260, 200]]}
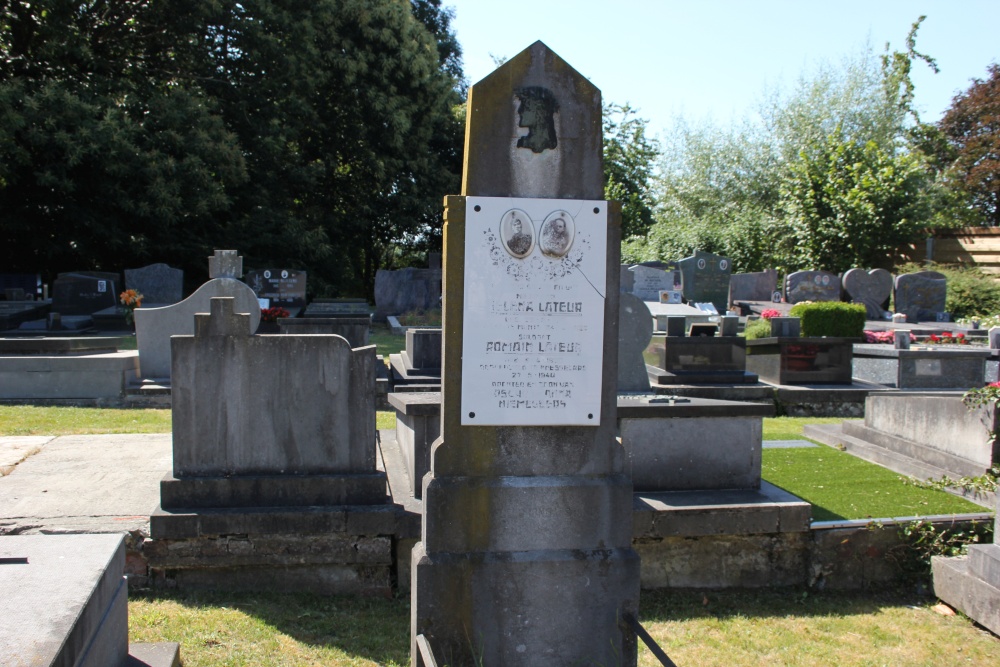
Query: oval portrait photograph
{"points": [[517, 233], [556, 235]]}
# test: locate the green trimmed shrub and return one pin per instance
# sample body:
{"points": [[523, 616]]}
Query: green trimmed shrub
{"points": [[831, 318], [757, 329]]}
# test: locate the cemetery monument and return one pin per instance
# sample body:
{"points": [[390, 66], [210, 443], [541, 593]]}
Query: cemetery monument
{"points": [[525, 555]]}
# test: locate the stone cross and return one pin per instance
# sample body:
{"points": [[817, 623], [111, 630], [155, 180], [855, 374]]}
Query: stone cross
{"points": [[525, 555], [222, 321], [225, 264]]}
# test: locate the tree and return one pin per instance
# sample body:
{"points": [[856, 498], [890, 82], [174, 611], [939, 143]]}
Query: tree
{"points": [[629, 157], [972, 130], [318, 134], [852, 204], [106, 155], [725, 190]]}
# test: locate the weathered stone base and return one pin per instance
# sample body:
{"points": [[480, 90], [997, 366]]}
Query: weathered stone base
{"points": [[325, 564], [956, 583], [328, 550], [462, 606], [724, 561]]}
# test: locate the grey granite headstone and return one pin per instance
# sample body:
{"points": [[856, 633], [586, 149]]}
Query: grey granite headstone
{"points": [[635, 329], [157, 283], [752, 286], [729, 326], [647, 282], [812, 286], [405, 290], [871, 288], [705, 278], [283, 288], [920, 296]]}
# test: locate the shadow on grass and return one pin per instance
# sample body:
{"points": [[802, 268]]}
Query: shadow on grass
{"points": [[375, 629], [682, 605]]}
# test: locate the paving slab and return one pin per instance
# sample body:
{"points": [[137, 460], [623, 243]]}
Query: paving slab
{"points": [[14, 449], [86, 484]]}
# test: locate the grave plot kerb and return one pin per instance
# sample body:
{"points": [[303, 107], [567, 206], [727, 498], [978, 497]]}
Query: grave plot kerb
{"points": [[526, 554]]}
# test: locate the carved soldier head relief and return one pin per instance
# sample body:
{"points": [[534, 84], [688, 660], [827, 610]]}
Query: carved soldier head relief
{"points": [[537, 113]]}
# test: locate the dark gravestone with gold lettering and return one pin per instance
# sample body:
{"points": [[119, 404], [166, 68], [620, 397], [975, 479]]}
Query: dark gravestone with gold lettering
{"points": [[525, 555]]}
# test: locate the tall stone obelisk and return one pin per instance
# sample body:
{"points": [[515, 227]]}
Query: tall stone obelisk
{"points": [[526, 557]]}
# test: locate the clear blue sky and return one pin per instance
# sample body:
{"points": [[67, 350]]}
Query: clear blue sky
{"points": [[715, 58]]}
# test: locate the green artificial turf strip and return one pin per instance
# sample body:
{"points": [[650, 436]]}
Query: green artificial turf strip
{"points": [[841, 486], [790, 428]]}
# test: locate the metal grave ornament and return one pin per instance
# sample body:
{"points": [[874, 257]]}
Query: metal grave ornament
{"points": [[535, 271]]}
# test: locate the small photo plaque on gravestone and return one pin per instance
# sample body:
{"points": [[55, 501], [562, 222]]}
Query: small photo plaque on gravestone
{"points": [[534, 325], [671, 296]]}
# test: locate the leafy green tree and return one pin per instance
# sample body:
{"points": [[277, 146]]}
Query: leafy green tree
{"points": [[971, 128], [629, 158], [851, 204], [724, 189], [107, 156]]}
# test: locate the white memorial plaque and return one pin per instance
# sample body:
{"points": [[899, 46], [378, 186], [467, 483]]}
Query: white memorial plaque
{"points": [[533, 343]]}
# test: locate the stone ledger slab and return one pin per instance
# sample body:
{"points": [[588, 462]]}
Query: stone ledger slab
{"points": [[68, 604]]}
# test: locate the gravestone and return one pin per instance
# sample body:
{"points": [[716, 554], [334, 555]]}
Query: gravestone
{"points": [[283, 288], [31, 283], [325, 308], [627, 279], [648, 282], [705, 278], [920, 296], [84, 293], [159, 284], [405, 290], [155, 326], [752, 286], [274, 470], [525, 555], [812, 286], [870, 288], [635, 329]]}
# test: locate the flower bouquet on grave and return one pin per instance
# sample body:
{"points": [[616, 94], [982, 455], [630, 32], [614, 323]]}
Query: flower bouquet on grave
{"points": [[769, 313], [947, 338], [130, 300], [884, 337], [272, 314]]}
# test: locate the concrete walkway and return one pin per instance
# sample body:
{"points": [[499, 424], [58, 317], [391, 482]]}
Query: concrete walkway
{"points": [[81, 483]]}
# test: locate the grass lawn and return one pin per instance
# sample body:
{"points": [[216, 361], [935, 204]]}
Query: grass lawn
{"points": [[58, 420], [790, 428], [726, 628], [841, 486], [385, 341]]}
